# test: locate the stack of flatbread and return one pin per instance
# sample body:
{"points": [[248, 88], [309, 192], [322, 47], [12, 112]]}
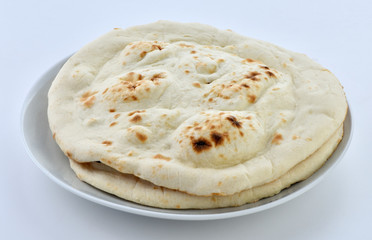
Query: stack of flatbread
{"points": [[176, 115]]}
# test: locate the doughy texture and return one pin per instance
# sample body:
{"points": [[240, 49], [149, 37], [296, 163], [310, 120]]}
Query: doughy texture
{"points": [[137, 190], [192, 108]]}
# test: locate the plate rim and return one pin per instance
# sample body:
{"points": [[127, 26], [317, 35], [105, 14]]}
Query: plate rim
{"points": [[179, 214]]}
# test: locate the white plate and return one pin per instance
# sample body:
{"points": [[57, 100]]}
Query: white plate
{"points": [[49, 158]]}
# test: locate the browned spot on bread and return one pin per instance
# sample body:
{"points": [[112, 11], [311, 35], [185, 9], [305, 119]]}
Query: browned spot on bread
{"points": [[251, 98], [275, 89], [291, 59], [105, 91], [131, 77], [277, 139], [201, 144], [143, 54], [138, 111], [136, 118], [187, 71], [69, 154], [186, 45], [249, 117], [196, 84], [112, 110], [88, 98], [222, 96], [155, 77], [107, 143], [178, 206], [325, 69], [264, 67], [252, 76], [294, 137], [193, 52], [248, 60], [234, 121], [113, 124], [89, 103], [218, 194], [217, 138], [241, 133], [141, 137], [54, 135], [134, 98], [119, 89], [245, 85], [159, 156], [220, 60], [156, 47], [270, 74]]}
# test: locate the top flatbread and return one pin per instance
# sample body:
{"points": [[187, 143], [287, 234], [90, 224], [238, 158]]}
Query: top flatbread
{"points": [[193, 108]]}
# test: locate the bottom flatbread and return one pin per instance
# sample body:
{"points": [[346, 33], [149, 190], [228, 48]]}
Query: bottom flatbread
{"points": [[137, 190]]}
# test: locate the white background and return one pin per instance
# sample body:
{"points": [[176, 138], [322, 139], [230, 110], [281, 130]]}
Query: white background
{"points": [[36, 34]]}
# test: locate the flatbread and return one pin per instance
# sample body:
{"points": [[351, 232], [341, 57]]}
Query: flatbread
{"points": [[140, 191], [193, 108]]}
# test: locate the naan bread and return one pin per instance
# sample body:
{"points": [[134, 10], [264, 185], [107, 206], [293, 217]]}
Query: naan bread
{"points": [[137, 190], [192, 108]]}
